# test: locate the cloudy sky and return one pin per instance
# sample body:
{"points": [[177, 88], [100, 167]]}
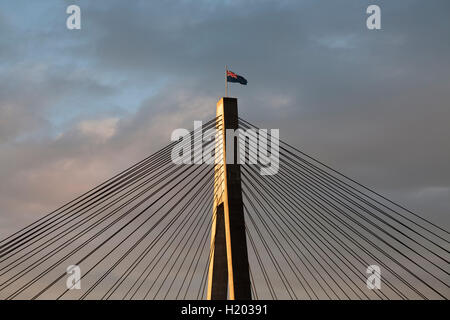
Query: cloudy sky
{"points": [[77, 106]]}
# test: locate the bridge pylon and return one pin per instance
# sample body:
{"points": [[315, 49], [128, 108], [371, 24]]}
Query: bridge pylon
{"points": [[229, 268]]}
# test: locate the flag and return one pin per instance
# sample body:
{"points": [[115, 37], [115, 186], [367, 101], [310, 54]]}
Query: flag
{"points": [[233, 77]]}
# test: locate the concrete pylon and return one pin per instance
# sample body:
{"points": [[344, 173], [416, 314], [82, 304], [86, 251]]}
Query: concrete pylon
{"points": [[228, 271]]}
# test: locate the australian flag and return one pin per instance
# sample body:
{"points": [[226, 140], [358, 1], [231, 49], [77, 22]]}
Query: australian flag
{"points": [[233, 77]]}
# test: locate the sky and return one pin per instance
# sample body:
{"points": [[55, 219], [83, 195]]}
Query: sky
{"points": [[78, 106]]}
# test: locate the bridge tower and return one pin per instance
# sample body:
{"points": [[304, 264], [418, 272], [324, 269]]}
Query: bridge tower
{"points": [[229, 269]]}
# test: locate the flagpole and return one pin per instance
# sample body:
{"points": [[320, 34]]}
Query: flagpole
{"points": [[226, 81]]}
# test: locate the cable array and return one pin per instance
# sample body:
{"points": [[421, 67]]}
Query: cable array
{"points": [[321, 230], [138, 235], [312, 232]]}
